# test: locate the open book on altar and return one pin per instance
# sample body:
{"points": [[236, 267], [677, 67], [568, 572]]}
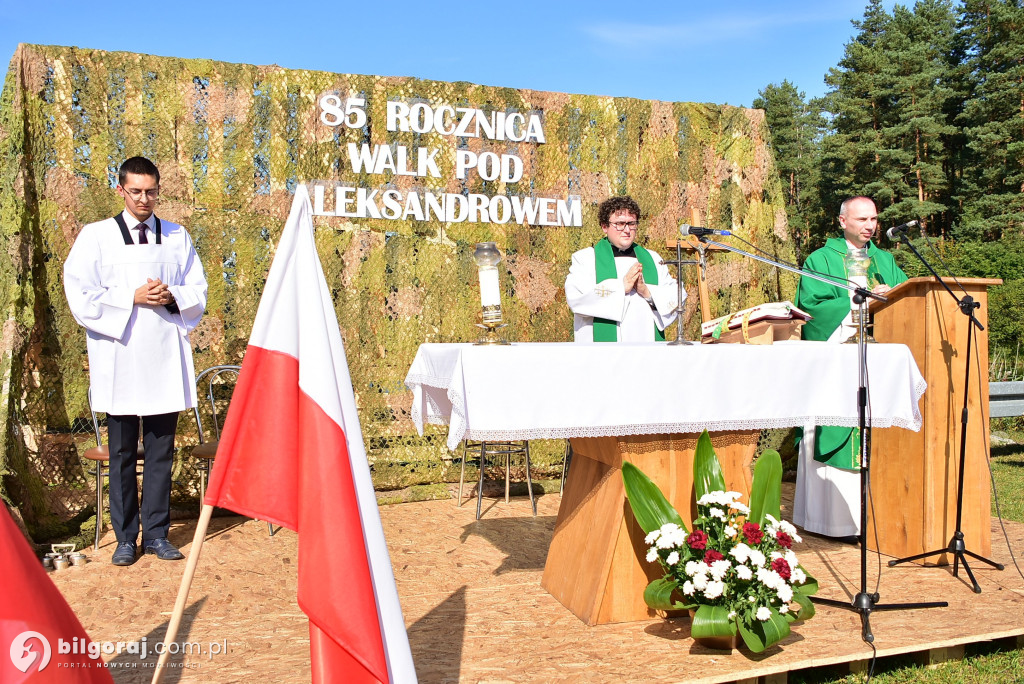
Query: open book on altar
{"points": [[777, 321]]}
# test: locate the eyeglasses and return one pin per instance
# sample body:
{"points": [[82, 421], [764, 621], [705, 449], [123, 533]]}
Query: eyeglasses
{"points": [[136, 194], [623, 226]]}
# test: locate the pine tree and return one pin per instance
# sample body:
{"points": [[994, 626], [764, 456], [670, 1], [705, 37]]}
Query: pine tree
{"points": [[890, 99], [796, 128], [993, 116], [850, 155], [920, 43]]}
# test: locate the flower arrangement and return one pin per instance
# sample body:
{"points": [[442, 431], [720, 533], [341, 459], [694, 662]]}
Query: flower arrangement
{"points": [[736, 568]]}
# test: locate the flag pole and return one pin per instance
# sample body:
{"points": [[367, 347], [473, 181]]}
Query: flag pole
{"points": [[186, 584]]}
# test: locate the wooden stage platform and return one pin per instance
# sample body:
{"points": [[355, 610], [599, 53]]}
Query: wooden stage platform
{"points": [[476, 612]]}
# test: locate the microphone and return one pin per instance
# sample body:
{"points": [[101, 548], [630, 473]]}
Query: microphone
{"points": [[687, 229], [896, 230]]}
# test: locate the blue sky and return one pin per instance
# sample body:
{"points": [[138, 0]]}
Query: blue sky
{"points": [[675, 51]]}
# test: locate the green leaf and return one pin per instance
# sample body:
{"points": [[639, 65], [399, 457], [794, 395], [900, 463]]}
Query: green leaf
{"points": [[658, 595], [761, 635], [712, 621], [650, 507], [806, 611], [765, 492], [810, 585], [707, 471]]}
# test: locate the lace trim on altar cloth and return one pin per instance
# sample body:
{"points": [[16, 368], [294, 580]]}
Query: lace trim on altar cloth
{"points": [[412, 381], [668, 428], [457, 421]]}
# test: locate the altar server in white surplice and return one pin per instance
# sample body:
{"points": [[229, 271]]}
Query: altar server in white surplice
{"points": [[619, 291], [136, 284]]}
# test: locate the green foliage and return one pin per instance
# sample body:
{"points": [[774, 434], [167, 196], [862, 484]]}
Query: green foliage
{"points": [[713, 621], [707, 471], [993, 180], [650, 507], [762, 634], [658, 595], [796, 126], [766, 500], [1008, 471]]}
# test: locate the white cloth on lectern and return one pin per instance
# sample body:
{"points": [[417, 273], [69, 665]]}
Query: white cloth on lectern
{"points": [[827, 499]]}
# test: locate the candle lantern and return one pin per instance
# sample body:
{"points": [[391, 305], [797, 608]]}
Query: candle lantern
{"points": [[487, 257]]}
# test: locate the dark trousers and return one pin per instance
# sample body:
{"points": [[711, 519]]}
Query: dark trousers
{"points": [[158, 444]]}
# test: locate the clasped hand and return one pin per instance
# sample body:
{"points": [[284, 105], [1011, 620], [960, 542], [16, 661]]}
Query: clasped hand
{"points": [[153, 293], [634, 279]]}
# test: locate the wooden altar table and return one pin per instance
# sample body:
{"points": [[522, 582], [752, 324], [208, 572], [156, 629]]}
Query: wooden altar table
{"points": [[644, 403]]}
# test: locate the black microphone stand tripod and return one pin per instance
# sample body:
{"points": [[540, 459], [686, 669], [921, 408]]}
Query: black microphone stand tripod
{"points": [[863, 602], [956, 545]]}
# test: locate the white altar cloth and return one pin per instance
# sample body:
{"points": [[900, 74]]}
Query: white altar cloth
{"points": [[544, 390]]}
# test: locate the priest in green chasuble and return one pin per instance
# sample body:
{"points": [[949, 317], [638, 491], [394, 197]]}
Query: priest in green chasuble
{"points": [[827, 499], [619, 291]]}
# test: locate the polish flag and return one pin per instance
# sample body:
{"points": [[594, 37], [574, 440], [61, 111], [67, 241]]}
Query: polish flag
{"points": [[292, 453], [35, 621]]}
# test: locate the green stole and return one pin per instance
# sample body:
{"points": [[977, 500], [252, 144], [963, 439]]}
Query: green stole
{"points": [[604, 267]]}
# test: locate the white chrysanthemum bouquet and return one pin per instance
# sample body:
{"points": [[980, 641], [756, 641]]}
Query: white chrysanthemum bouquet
{"points": [[736, 567]]}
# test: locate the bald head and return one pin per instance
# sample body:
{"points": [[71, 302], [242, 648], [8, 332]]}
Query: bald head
{"points": [[859, 220]]}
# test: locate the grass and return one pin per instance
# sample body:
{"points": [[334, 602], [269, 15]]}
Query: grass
{"points": [[985, 663], [1008, 469]]}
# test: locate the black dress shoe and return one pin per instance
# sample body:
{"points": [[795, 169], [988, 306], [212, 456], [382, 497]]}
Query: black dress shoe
{"points": [[163, 549], [124, 554]]}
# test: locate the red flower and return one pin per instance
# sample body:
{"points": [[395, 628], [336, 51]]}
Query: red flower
{"points": [[753, 533], [710, 556], [780, 566], [697, 540], [785, 541]]}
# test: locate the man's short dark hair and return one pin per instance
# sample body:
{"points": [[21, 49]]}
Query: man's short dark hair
{"points": [[139, 166], [614, 204]]}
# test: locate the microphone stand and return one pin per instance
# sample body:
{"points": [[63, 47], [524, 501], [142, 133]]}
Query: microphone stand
{"points": [[679, 263], [956, 545], [864, 602]]}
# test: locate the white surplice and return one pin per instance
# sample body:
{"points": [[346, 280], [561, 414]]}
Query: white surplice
{"points": [[140, 356], [827, 499], [635, 317]]}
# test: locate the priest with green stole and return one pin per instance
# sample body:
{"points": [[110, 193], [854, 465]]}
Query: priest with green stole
{"points": [[619, 291], [827, 499]]}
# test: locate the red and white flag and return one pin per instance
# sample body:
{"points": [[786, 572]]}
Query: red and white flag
{"points": [[292, 453], [41, 639]]}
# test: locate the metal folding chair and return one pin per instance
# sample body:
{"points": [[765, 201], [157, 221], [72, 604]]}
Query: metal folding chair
{"points": [[506, 449], [100, 456]]}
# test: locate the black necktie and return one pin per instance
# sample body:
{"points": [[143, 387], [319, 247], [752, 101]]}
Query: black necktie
{"points": [[143, 240]]}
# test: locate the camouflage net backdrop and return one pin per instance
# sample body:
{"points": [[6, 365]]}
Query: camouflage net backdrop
{"points": [[233, 141]]}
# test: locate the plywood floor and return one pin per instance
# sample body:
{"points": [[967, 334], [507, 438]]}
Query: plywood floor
{"points": [[476, 612]]}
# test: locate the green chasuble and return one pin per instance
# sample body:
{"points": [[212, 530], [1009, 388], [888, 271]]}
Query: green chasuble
{"points": [[604, 268], [838, 446]]}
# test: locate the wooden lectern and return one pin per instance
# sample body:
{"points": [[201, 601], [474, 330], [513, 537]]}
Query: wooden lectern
{"points": [[914, 474]]}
